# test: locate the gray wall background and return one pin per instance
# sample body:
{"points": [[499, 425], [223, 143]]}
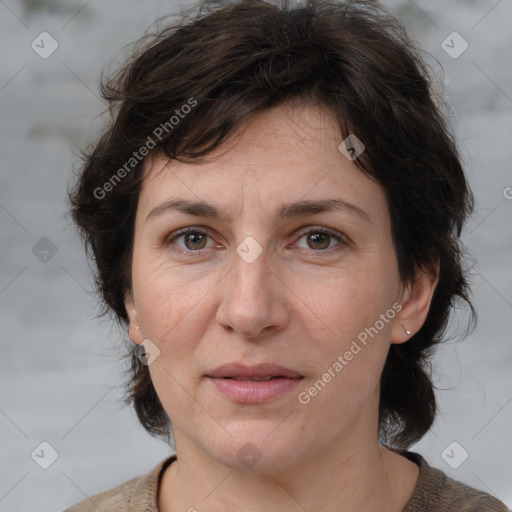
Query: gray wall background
{"points": [[61, 379]]}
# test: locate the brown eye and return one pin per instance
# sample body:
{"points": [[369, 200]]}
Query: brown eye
{"points": [[194, 240], [321, 240], [187, 241]]}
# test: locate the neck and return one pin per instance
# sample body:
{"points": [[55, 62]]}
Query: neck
{"points": [[353, 476]]}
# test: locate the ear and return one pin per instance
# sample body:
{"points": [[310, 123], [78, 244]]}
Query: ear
{"points": [[415, 299], [134, 333]]}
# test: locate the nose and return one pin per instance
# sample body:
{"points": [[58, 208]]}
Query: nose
{"points": [[254, 299]]}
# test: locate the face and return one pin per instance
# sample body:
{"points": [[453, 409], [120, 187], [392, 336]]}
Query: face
{"points": [[272, 286]]}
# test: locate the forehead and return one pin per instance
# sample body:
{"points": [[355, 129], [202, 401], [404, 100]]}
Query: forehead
{"points": [[277, 156]]}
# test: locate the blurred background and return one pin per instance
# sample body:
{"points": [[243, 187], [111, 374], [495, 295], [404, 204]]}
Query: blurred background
{"points": [[60, 372]]}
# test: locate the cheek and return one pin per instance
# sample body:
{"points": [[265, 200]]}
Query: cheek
{"points": [[344, 321], [346, 302], [347, 343], [174, 308]]}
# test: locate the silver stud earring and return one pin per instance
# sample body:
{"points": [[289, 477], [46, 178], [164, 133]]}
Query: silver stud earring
{"points": [[138, 327], [407, 331]]}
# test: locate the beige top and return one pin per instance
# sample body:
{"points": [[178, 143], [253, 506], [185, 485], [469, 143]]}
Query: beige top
{"points": [[434, 492]]}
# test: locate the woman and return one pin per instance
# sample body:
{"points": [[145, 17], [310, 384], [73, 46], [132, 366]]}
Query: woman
{"points": [[275, 214]]}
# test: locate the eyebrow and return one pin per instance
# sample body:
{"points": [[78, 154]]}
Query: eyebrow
{"points": [[287, 211]]}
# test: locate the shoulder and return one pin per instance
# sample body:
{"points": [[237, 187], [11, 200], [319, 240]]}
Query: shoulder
{"points": [[139, 493], [435, 491]]}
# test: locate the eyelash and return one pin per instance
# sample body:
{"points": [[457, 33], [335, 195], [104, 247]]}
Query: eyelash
{"points": [[171, 239]]}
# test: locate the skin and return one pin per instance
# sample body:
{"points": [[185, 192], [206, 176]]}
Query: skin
{"points": [[300, 304]]}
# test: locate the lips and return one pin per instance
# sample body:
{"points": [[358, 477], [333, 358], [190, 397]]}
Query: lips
{"points": [[253, 384], [265, 371]]}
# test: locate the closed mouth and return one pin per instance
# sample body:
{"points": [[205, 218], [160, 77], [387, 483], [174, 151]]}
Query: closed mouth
{"points": [[257, 379], [258, 372]]}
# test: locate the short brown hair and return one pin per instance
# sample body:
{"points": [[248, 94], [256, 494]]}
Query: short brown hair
{"points": [[237, 58]]}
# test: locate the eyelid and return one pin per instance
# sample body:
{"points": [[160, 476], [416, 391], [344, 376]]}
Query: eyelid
{"points": [[322, 229]]}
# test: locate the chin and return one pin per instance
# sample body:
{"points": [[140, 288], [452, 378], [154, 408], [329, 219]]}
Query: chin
{"points": [[256, 450]]}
